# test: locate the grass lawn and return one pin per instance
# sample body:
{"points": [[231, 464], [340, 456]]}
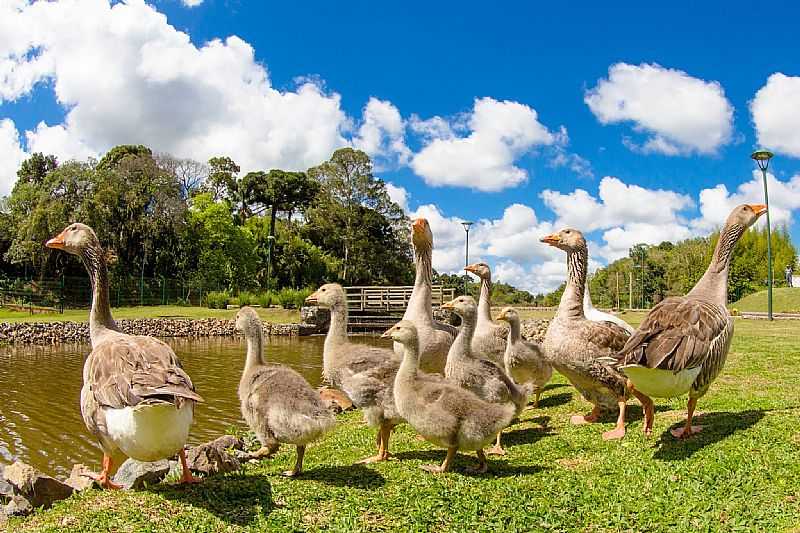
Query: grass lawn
{"points": [[277, 315], [784, 300], [741, 474]]}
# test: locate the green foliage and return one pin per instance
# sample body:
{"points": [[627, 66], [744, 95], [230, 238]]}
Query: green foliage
{"points": [[264, 299], [218, 300], [293, 298], [246, 298]]}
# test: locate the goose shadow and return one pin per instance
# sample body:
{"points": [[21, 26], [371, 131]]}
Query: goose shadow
{"points": [[355, 476], [516, 436], [498, 467], [716, 427], [555, 400], [234, 498]]}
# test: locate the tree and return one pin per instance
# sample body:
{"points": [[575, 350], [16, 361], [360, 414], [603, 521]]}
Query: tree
{"points": [[36, 168], [350, 193], [189, 174], [221, 181]]}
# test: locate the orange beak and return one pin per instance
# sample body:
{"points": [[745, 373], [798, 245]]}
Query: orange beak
{"points": [[56, 242], [448, 305], [312, 298], [387, 334], [472, 268], [758, 209], [552, 240], [418, 225]]}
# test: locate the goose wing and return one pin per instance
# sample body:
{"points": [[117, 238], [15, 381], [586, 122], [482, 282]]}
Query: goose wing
{"points": [[677, 334], [126, 371]]}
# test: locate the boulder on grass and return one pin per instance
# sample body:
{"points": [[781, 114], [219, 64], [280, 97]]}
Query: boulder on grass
{"points": [[39, 489], [133, 474], [17, 506], [213, 457], [80, 478]]}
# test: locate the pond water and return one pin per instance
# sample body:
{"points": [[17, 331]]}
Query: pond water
{"points": [[40, 419]]}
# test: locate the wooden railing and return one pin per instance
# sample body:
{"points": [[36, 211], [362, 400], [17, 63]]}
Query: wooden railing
{"points": [[390, 299]]}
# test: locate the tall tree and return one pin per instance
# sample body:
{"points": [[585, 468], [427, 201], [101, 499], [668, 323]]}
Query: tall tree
{"points": [[221, 182]]}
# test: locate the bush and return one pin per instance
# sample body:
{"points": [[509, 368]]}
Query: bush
{"points": [[246, 298], [217, 300], [301, 296], [265, 299], [287, 297]]}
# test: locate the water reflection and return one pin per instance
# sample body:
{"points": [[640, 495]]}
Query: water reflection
{"points": [[40, 420]]}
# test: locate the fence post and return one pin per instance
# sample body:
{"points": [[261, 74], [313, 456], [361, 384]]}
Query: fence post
{"points": [[163, 291]]}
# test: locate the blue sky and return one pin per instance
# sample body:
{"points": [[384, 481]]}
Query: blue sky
{"points": [[632, 124]]}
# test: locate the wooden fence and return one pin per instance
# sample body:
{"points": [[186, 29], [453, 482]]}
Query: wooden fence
{"points": [[390, 299]]}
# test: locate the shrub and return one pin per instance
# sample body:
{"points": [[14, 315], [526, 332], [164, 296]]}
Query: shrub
{"points": [[301, 296], [217, 300], [287, 297], [265, 299], [246, 298]]}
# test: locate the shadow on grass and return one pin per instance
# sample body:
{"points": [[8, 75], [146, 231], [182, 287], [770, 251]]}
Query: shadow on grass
{"points": [[528, 435], [555, 400], [357, 476], [716, 427], [498, 466], [236, 499]]}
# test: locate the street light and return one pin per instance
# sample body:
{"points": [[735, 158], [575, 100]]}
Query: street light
{"points": [[270, 241], [762, 157], [466, 225]]}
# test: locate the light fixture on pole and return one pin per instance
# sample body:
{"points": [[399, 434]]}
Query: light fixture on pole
{"points": [[466, 225], [762, 157]]}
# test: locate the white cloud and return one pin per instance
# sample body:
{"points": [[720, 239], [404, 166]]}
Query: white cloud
{"points": [[192, 3], [382, 132], [679, 114], [126, 75], [57, 140], [11, 155], [776, 114], [500, 132], [398, 195]]}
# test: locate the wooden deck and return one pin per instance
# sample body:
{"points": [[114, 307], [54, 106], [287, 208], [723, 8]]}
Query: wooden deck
{"points": [[389, 300]]}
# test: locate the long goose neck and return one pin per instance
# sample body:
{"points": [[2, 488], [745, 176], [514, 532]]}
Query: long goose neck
{"points": [[462, 342], [713, 286], [419, 304], [255, 348], [407, 372], [571, 305], [485, 300], [514, 331], [337, 334], [100, 319]]}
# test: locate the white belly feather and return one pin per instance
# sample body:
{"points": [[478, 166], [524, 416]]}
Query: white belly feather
{"points": [[149, 432], [660, 383]]}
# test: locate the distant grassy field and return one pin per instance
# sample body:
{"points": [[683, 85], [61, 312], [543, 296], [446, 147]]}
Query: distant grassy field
{"points": [[784, 300], [276, 315], [740, 474]]}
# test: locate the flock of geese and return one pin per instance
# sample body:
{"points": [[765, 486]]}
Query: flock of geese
{"points": [[457, 387]]}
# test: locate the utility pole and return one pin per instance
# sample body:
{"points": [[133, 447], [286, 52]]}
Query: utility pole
{"points": [[630, 289], [617, 273]]}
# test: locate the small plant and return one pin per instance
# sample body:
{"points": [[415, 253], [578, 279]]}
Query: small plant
{"points": [[300, 298], [265, 299], [246, 298], [287, 297], [217, 300]]}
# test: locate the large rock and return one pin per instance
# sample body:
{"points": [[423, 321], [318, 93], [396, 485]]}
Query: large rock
{"points": [[39, 489], [17, 506], [213, 457], [80, 478], [135, 474], [6, 490], [315, 316]]}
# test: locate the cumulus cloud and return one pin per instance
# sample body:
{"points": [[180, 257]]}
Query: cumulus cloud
{"points": [[776, 114], [678, 114], [383, 132], [398, 195], [11, 155], [500, 132], [125, 75]]}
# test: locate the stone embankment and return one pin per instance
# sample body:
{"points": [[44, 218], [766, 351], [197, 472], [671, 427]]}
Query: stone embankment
{"points": [[70, 332]]}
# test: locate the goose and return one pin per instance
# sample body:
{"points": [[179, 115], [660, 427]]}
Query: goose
{"points": [[277, 403], [480, 376], [444, 413], [435, 337], [591, 313], [365, 373], [490, 337], [683, 342], [136, 397], [523, 360], [575, 346]]}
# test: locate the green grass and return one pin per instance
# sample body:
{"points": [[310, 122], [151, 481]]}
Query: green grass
{"points": [[277, 315], [740, 474], [784, 300]]}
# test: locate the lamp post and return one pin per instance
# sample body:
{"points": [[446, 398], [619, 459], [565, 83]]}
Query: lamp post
{"points": [[762, 157], [270, 241], [466, 225]]}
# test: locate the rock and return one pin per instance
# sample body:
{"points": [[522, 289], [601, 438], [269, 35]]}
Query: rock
{"points": [[315, 316], [335, 400], [39, 489], [17, 506], [534, 329], [213, 457], [6, 490], [135, 474], [80, 478]]}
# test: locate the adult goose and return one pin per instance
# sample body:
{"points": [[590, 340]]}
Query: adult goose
{"points": [[575, 346], [596, 315], [365, 373], [490, 337], [682, 344], [277, 403], [435, 338], [480, 376], [523, 360], [442, 412], [136, 397]]}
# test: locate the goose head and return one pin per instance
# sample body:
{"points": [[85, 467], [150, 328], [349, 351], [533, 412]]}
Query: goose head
{"points": [[745, 215], [421, 235], [463, 306], [508, 314], [404, 332], [74, 239], [568, 239], [328, 296], [481, 270], [247, 321]]}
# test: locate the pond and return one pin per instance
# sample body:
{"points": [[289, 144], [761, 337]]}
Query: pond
{"points": [[40, 419]]}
